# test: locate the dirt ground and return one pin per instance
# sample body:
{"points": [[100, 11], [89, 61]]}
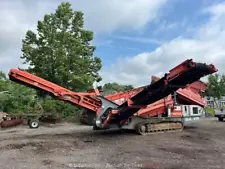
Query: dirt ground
{"points": [[62, 146]]}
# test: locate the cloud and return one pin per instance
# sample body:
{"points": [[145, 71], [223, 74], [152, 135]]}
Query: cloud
{"points": [[140, 39], [104, 17], [126, 15], [207, 45], [165, 26], [14, 22], [216, 10]]}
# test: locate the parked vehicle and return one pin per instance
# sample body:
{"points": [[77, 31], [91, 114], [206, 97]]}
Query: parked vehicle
{"points": [[220, 113]]}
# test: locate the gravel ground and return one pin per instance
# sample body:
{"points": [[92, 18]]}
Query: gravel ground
{"points": [[62, 146]]}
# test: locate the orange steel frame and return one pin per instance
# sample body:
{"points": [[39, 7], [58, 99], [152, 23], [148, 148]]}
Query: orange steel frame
{"points": [[86, 100], [191, 94], [89, 100], [123, 96]]}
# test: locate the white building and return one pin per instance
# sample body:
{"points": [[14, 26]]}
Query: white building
{"points": [[215, 103]]}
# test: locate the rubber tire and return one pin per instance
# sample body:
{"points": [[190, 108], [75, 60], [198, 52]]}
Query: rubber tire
{"points": [[96, 128], [88, 118], [137, 128], [220, 118], [31, 124], [91, 118]]}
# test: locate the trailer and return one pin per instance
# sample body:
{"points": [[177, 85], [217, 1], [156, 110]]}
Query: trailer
{"points": [[110, 114], [17, 119]]}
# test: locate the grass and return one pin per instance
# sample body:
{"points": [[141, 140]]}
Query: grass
{"points": [[210, 110]]}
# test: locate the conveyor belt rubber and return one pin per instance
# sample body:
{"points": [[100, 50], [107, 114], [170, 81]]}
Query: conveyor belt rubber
{"points": [[163, 88]]}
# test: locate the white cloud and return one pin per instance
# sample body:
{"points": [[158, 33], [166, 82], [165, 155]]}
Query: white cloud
{"points": [[101, 16], [140, 39], [125, 14], [208, 45], [165, 26], [216, 10]]}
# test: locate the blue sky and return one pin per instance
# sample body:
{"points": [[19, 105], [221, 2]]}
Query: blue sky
{"points": [[178, 18], [134, 38]]}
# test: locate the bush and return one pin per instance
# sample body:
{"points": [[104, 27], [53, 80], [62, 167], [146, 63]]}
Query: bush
{"points": [[51, 105], [210, 111]]}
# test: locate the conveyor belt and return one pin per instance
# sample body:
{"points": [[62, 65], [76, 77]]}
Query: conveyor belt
{"points": [[186, 73]]}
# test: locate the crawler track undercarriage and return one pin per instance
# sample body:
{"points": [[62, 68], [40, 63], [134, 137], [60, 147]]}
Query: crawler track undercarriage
{"points": [[146, 128]]}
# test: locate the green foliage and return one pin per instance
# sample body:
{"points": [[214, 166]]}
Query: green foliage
{"points": [[216, 86], [18, 99], [109, 88], [51, 105], [61, 51], [210, 110], [15, 98], [3, 82]]}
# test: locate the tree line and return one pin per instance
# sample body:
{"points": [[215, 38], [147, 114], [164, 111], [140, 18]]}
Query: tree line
{"points": [[216, 86]]}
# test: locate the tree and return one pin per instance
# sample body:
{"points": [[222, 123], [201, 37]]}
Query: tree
{"points": [[128, 87], [61, 51], [15, 98], [64, 109], [2, 81], [109, 88], [222, 84], [216, 86]]}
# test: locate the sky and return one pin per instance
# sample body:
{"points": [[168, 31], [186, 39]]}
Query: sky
{"points": [[134, 38]]}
